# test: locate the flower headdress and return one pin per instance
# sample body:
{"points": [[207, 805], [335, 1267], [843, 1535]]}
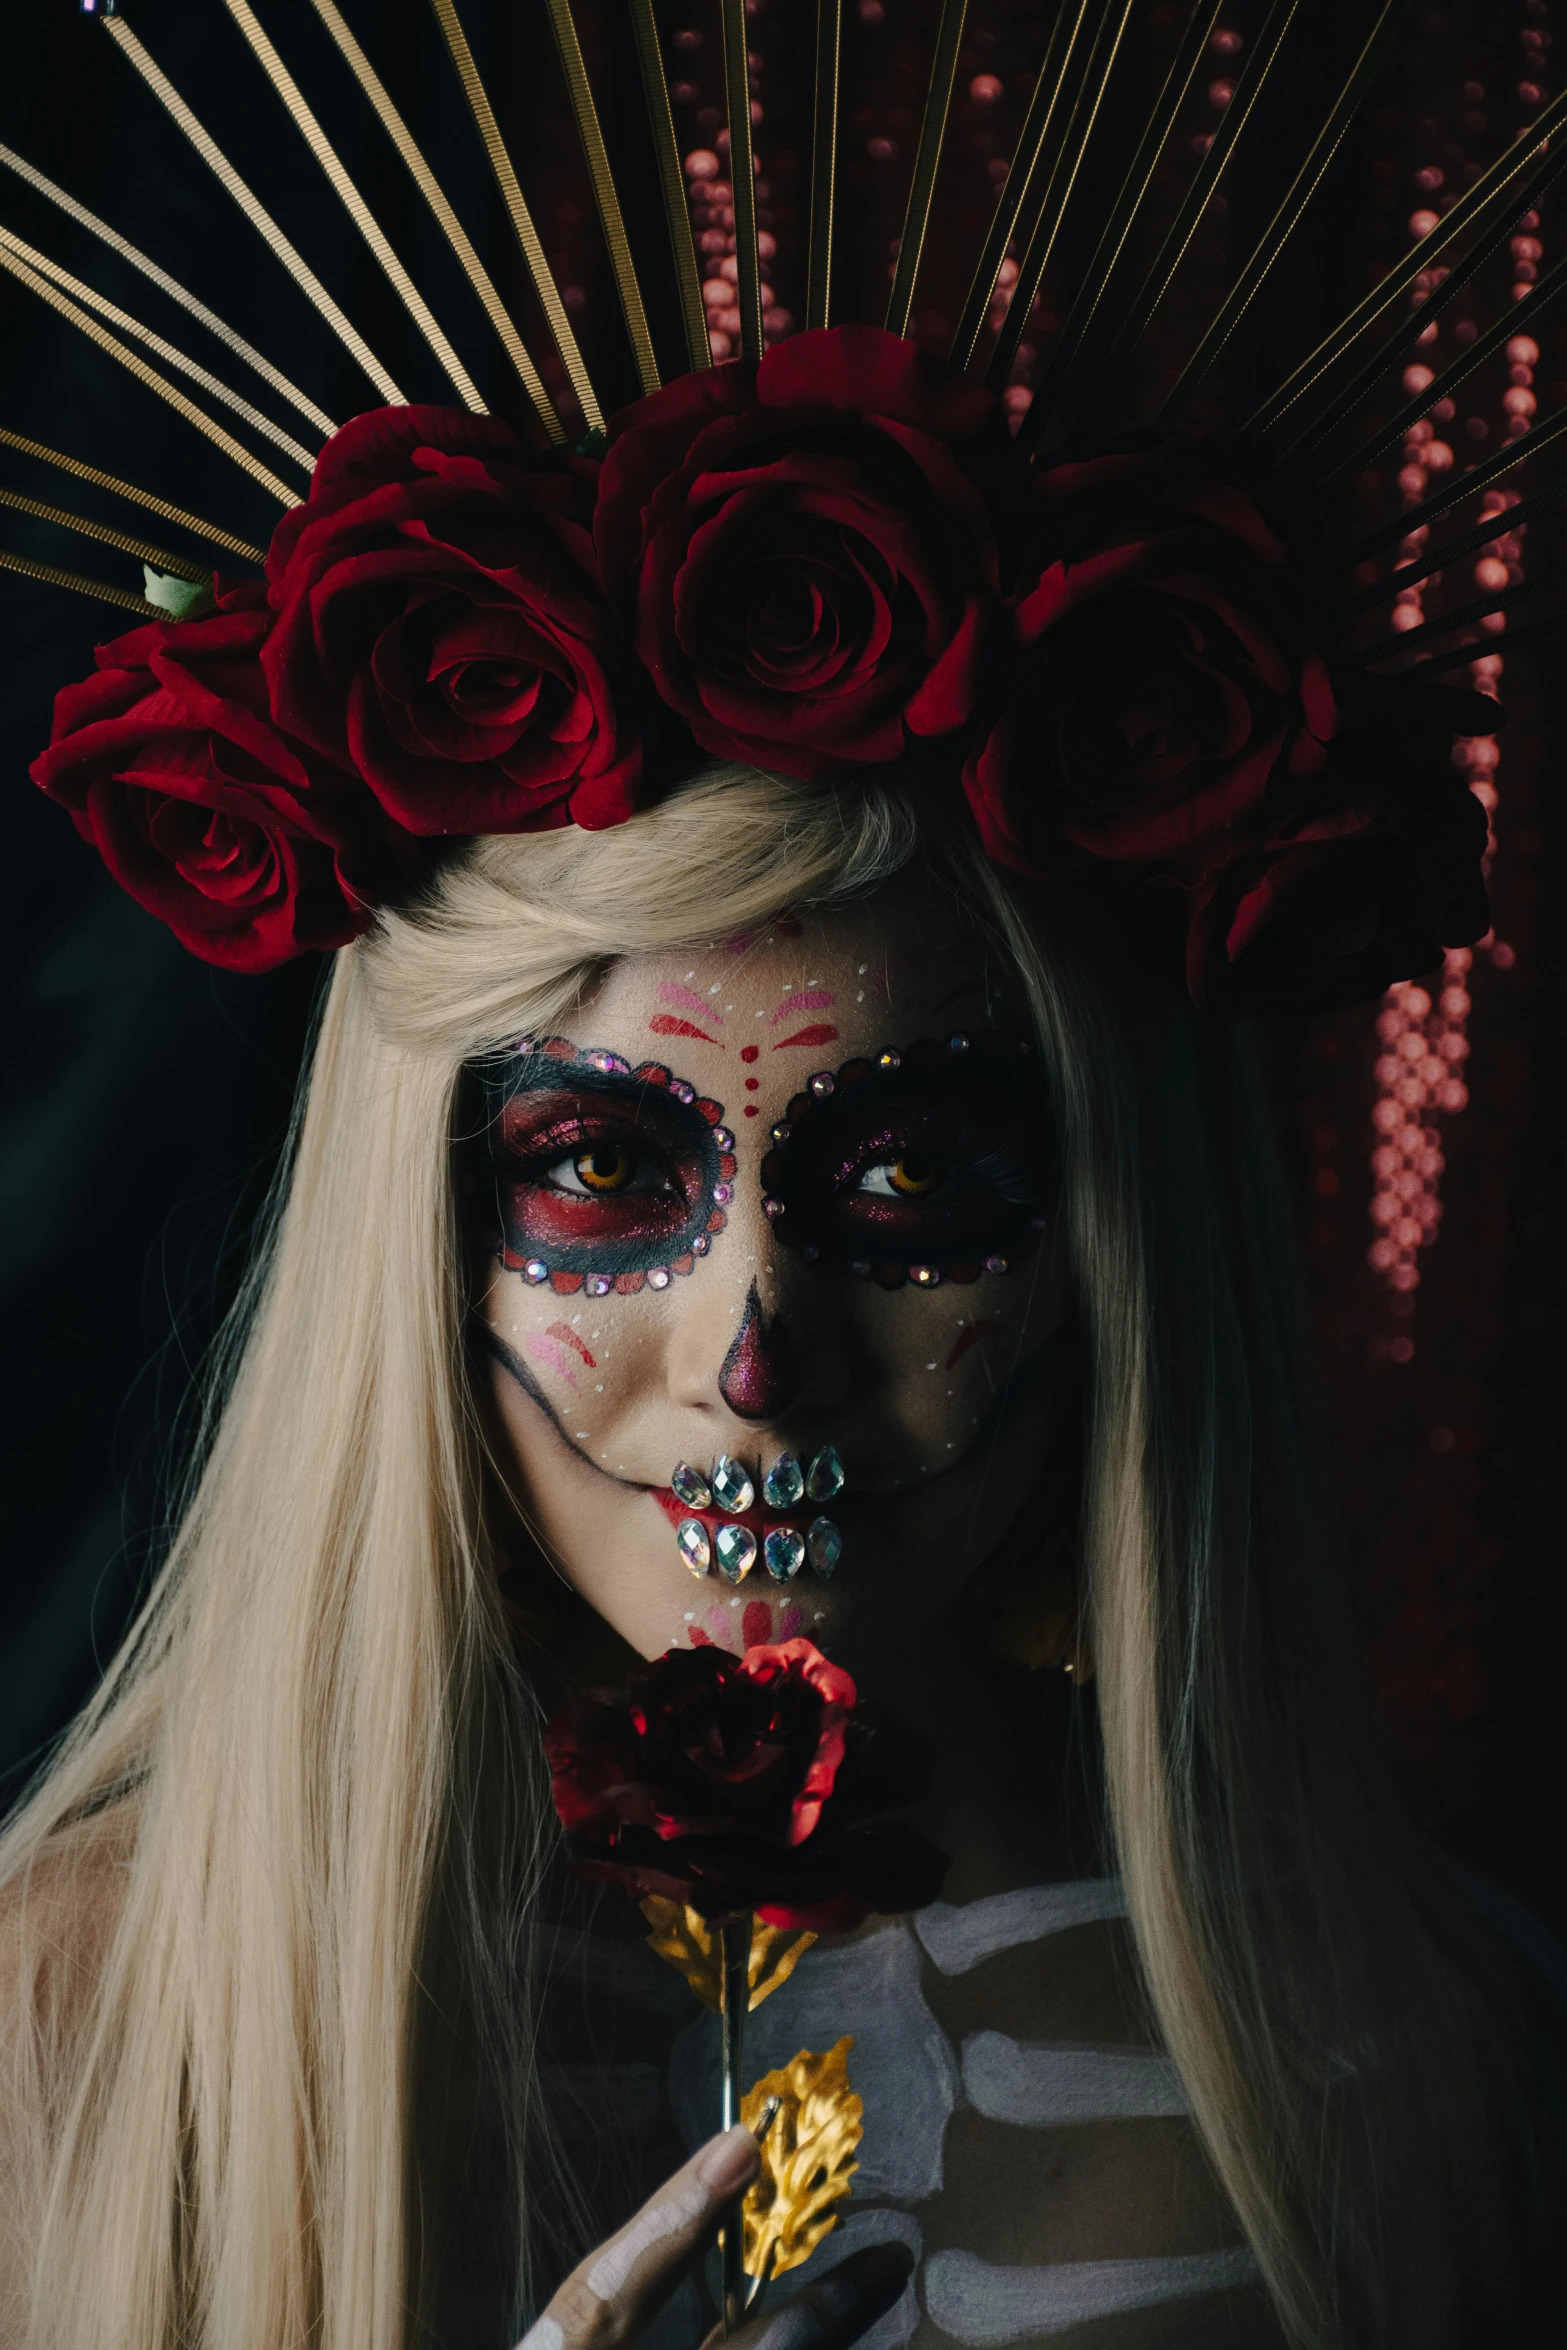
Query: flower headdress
{"points": [[1126, 654]]}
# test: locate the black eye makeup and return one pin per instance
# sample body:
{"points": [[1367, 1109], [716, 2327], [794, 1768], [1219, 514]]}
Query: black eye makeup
{"points": [[926, 1163], [608, 1178]]}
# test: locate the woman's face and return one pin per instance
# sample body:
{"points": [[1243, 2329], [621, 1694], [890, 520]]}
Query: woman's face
{"points": [[786, 1199]]}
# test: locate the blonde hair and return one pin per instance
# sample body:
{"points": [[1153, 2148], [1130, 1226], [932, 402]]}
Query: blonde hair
{"points": [[318, 1749]]}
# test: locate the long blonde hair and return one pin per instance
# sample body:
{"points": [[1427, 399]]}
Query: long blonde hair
{"points": [[317, 1747]]}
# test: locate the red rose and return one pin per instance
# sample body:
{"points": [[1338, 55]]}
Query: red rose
{"points": [[442, 632], [249, 847], [745, 1783], [1162, 674], [805, 549], [1365, 883]]}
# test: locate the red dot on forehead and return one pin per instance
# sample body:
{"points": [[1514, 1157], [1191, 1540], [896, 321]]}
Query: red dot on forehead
{"points": [[749, 1052], [753, 1084]]}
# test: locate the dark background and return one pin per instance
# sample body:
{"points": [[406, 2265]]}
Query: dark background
{"points": [[146, 1096]]}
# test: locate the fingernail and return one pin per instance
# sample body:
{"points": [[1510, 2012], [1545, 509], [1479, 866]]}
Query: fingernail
{"points": [[730, 2162]]}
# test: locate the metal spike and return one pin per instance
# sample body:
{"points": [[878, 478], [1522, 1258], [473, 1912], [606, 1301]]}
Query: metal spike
{"points": [[1409, 330], [927, 162], [435, 196], [1491, 183], [1041, 113], [1058, 188], [742, 175], [580, 91], [1195, 202], [1457, 550], [28, 569], [672, 185], [128, 490], [1500, 600], [1508, 640], [1101, 268], [159, 557], [1291, 211], [1481, 349], [254, 210], [824, 161], [1453, 492]]}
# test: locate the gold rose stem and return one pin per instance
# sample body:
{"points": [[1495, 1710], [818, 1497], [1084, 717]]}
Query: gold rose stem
{"points": [[734, 1938]]}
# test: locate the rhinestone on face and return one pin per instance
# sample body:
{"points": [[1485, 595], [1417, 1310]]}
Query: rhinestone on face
{"points": [[732, 1488], [723, 1140], [995, 1264], [824, 1478], [957, 1044], [701, 1244], [860, 1267], [784, 1553], [889, 1060], [822, 1084], [924, 1276], [784, 1483], [736, 1548], [690, 1486], [659, 1277], [681, 1091], [823, 1547], [782, 1132], [695, 1548], [723, 1193], [536, 1270], [611, 1064], [598, 1284], [773, 1208]]}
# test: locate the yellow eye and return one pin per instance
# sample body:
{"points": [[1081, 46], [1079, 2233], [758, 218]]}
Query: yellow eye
{"points": [[609, 1166], [911, 1177]]}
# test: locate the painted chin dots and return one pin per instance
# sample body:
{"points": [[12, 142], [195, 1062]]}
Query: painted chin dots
{"points": [[609, 1178], [924, 1163], [726, 1530]]}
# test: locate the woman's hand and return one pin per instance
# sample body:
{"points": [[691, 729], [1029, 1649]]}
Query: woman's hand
{"points": [[605, 2303]]}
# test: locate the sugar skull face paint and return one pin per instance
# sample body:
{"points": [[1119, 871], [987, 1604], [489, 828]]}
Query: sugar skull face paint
{"points": [[606, 1177], [590, 1221]]}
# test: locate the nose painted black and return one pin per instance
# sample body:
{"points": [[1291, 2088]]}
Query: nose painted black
{"points": [[761, 1374]]}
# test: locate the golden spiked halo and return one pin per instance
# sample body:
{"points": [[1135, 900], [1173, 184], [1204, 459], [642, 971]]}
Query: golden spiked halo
{"points": [[1076, 107]]}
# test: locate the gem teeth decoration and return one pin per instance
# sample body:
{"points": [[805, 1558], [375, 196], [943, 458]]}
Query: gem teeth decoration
{"points": [[734, 1548]]}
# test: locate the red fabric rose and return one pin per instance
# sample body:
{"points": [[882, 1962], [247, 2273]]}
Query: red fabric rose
{"points": [[247, 845], [1162, 673], [441, 629], [745, 1783], [805, 548], [1363, 883]]}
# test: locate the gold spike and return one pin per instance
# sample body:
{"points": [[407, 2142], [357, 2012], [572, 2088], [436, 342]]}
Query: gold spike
{"points": [[672, 184], [539, 270], [1492, 182], [125, 489], [434, 195], [1290, 212], [84, 587], [149, 376], [173, 357], [1500, 600], [580, 91], [742, 176], [1482, 348], [1085, 304], [1042, 106], [1195, 202], [1453, 492], [358, 210], [172, 287], [1410, 329], [1459, 550], [1058, 189], [158, 557], [927, 162], [1508, 640], [254, 210], [824, 161]]}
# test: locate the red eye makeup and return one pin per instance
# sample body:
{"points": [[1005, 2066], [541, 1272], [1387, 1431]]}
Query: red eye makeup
{"points": [[608, 1178], [925, 1163]]}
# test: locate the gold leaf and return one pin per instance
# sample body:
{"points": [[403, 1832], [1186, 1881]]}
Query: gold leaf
{"points": [[807, 2158], [687, 1941]]}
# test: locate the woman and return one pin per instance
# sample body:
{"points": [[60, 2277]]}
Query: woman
{"points": [[279, 1913]]}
